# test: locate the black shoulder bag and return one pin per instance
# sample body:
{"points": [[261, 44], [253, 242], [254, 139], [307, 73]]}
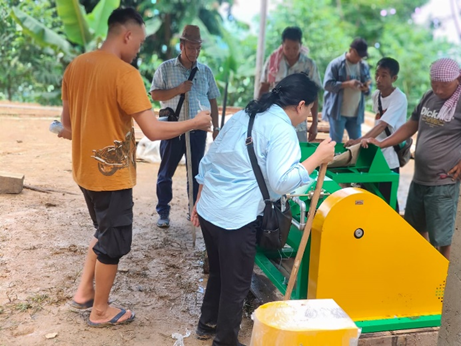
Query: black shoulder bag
{"points": [[275, 224], [403, 149], [168, 112]]}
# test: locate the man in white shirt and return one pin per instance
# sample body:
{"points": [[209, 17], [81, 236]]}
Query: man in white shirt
{"points": [[389, 116]]}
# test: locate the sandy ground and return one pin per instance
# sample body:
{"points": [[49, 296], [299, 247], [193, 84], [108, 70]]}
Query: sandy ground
{"points": [[44, 238], [43, 242]]}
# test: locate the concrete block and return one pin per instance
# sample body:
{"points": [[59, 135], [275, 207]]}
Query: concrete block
{"points": [[11, 182]]}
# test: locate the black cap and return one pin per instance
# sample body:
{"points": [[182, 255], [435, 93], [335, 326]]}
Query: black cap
{"points": [[361, 46]]}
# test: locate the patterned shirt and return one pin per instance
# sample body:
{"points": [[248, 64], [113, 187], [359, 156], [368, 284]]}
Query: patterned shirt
{"points": [[172, 73], [304, 64]]}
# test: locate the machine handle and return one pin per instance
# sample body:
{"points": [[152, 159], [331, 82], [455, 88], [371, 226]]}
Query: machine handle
{"points": [[307, 232]]}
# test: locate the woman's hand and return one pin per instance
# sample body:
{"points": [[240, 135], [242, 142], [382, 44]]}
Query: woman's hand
{"points": [[326, 151], [194, 217]]}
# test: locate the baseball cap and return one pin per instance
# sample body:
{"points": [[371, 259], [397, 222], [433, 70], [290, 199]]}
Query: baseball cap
{"points": [[361, 46]]}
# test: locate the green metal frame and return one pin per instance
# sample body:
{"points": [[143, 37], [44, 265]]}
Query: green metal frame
{"points": [[370, 169], [399, 323], [265, 261]]}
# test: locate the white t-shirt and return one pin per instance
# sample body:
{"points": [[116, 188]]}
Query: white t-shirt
{"points": [[395, 115]]}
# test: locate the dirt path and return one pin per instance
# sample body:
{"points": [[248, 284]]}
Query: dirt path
{"points": [[43, 241]]}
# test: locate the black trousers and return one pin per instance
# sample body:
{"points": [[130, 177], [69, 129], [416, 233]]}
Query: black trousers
{"points": [[231, 256], [171, 152], [385, 189]]}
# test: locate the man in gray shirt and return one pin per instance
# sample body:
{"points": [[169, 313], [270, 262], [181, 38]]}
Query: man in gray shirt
{"points": [[433, 195]]}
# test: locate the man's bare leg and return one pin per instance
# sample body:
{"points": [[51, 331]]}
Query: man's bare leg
{"points": [[104, 279], [85, 290], [445, 251], [425, 235]]}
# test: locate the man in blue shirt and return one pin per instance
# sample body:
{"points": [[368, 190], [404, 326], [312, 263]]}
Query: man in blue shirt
{"points": [[169, 82], [347, 81]]}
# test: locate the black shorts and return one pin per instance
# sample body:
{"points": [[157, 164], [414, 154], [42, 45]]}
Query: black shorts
{"points": [[112, 215]]}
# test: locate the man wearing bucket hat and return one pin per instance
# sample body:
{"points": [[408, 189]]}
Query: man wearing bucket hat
{"points": [[171, 79], [433, 195], [347, 81]]}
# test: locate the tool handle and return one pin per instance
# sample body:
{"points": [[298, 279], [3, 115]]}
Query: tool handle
{"points": [[307, 232], [190, 177]]}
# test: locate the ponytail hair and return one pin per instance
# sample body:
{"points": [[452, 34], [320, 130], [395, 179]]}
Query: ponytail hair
{"points": [[289, 92]]}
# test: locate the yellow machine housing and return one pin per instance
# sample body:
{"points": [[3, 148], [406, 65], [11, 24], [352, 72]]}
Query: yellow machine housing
{"points": [[368, 259]]}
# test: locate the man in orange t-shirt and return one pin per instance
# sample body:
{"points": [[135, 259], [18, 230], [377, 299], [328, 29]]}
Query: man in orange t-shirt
{"points": [[102, 94]]}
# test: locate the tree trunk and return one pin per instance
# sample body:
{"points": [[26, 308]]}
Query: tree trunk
{"points": [[9, 89], [340, 9], [168, 36]]}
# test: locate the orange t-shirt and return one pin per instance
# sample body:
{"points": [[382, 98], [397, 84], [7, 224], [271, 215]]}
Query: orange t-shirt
{"points": [[102, 92]]}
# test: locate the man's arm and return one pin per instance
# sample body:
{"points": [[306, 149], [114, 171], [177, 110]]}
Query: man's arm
{"points": [[214, 117], [406, 130], [396, 110], [66, 132], [156, 130], [332, 84], [168, 94], [365, 87], [263, 88], [373, 133]]}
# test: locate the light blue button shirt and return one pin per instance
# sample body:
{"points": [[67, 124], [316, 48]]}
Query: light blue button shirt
{"points": [[231, 197], [171, 73]]}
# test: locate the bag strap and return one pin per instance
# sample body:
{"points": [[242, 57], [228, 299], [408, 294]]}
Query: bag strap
{"points": [[183, 96], [388, 132], [254, 161]]}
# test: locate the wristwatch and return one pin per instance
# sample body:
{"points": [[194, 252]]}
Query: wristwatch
{"points": [[216, 128]]}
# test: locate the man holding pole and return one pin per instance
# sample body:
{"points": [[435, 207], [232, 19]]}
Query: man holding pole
{"points": [[171, 79]]}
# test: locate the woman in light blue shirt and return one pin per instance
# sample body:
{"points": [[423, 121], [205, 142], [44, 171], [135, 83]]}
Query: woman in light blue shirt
{"points": [[230, 200]]}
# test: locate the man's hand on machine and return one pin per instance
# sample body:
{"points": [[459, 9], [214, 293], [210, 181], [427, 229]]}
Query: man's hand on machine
{"points": [[351, 142], [366, 141], [203, 121]]}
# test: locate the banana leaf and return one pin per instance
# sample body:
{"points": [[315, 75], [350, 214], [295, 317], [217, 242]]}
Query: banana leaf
{"points": [[73, 17], [152, 25], [40, 33], [97, 20]]}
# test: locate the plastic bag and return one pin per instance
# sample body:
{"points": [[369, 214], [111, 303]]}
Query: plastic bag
{"points": [[180, 338]]}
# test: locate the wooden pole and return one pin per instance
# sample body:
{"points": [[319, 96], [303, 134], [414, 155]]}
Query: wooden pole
{"points": [[190, 178], [261, 48], [307, 232]]}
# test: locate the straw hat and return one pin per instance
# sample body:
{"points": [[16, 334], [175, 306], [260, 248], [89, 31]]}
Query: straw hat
{"points": [[191, 33]]}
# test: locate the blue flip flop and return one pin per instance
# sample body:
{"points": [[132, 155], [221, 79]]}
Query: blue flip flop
{"points": [[74, 306], [114, 321], [82, 307]]}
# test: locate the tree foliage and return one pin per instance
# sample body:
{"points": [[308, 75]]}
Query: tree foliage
{"points": [[28, 72], [31, 70], [330, 26]]}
